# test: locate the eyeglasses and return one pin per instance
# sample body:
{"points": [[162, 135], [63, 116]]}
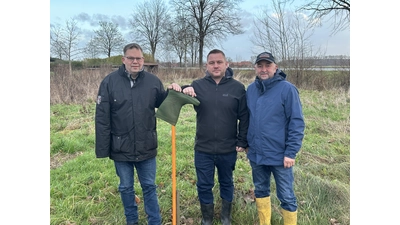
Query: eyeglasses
{"points": [[132, 59]]}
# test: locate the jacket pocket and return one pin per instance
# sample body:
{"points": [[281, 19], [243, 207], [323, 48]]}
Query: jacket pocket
{"points": [[118, 99], [120, 143], [151, 140]]}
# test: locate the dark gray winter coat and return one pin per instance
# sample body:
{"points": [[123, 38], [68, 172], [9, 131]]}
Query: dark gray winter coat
{"points": [[125, 119]]}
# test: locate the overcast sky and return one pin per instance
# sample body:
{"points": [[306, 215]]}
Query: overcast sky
{"points": [[237, 47]]}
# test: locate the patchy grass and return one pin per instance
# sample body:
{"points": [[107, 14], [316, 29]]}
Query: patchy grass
{"points": [[84, 190]]}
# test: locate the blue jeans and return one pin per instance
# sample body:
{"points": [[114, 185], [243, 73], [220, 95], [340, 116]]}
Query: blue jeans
{"points": [[284, 181], [205, 170], [146, 171]]}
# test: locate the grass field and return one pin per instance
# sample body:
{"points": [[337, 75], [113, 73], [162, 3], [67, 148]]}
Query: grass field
{"points": [[84, 190]]}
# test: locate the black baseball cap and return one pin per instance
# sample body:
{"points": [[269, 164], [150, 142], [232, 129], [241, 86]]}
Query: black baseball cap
{"points": [[265, 56]]}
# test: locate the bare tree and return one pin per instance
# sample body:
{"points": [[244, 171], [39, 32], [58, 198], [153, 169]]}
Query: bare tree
{"points": [[65, 41], [337, 10], [108, 38], [56, 41], [149, 22], [72, 40], [285, 34], [179, 36], [210, 19], [92, 50], [194, 49]]}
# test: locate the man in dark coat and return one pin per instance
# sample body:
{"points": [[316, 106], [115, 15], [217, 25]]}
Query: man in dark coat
{"points": [[222, 120], [126, 132]]}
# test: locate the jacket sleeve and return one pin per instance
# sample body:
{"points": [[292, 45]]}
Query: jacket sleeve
{"points": [[161, 94], [185, 86], [296, 125], [102, 122], [243, 117]]}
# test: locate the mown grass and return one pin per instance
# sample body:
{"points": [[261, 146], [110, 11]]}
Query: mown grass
{"points": [[84, 190]]}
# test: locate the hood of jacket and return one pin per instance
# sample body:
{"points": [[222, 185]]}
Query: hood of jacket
{"points": [[228, 75]]}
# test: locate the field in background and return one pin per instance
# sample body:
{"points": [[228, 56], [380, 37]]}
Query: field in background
{"points": [[82, 86]]}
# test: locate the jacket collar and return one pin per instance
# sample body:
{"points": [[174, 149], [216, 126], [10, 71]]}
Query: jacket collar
{"points": [[264, 85], [228, 75], [123, 72]]}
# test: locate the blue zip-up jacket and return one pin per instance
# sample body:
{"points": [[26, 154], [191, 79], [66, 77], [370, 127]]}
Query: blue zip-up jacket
{"points": [[277, 125]]}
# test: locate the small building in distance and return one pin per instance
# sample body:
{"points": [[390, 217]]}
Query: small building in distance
{"points": [[151, 67]]}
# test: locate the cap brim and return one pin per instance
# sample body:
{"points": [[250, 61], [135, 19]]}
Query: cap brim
{"points": [[264, 60]]}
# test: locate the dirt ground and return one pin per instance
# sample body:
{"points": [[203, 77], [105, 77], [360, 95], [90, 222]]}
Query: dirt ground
{"points": [[59, 159]]}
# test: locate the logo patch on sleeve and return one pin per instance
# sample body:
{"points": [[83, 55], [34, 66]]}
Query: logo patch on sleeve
{"points": [[99, 99]]}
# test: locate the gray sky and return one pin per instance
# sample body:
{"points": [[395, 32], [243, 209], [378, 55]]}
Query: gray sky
{"points": [[238, 47]]}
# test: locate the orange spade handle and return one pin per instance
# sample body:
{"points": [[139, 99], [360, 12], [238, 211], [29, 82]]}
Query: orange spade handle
{"points": [[174, 212]]}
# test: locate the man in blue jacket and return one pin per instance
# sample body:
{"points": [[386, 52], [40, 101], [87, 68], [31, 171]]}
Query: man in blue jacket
{"points": [[221, 127], [275, 135]]}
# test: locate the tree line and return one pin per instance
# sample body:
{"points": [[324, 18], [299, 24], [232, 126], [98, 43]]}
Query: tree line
{"points": [[185, 27]]}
